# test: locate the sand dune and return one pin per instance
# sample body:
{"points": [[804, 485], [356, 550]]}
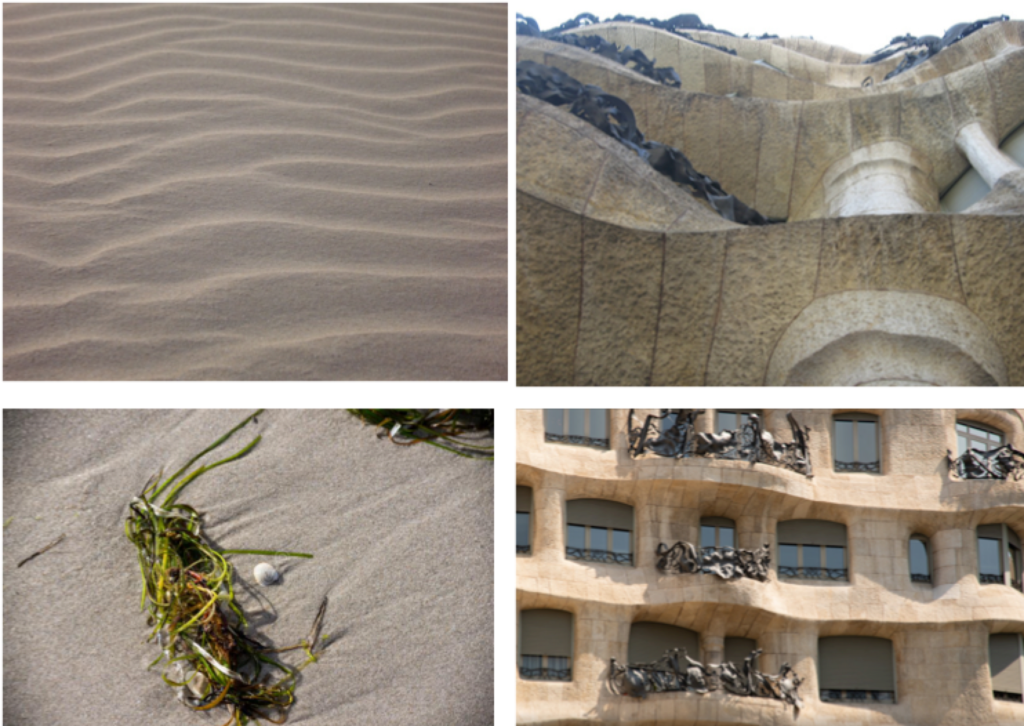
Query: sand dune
{"points": [[255, 192]]}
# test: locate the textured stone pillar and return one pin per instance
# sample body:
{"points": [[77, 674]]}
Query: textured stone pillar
{"points": [[548, 505], [889, 177], [984, 155], [712, 648]]}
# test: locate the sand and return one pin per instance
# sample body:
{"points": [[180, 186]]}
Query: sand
{"points": [[403, 545], [261, 192]]}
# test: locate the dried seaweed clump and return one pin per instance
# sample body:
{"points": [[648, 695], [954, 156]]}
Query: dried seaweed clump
{"points": [[458, 430], [188, 594]]}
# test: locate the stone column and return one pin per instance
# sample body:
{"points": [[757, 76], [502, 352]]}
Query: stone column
{"points": [[889, 177], [712, 648], [984, 155], [548, 509]]}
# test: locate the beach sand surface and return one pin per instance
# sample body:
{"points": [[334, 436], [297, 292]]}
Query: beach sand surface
{"points": [[402, 539], [255, 192]]}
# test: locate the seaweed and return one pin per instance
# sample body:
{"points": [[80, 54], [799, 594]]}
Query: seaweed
{"points": [[451, 429], [189, 595]]}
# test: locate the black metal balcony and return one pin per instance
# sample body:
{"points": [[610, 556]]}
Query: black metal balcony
{"points": [[815, 573], [522, 549], [917, 577], [545, 674], [576, 440], [832, 695], [617, 558], [991, 579], [870, 467], [1003, 696]]}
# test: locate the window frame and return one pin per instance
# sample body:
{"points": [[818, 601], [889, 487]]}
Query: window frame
{"points": [[526, 549], [583, 438], [587, 553], [927, 578], [858, 695], [857, 467], [742, 417], [565, 675], [971, 437], [1011, 557], [823, 535], [1008, 696]]}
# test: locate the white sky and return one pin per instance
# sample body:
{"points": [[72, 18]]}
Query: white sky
{"points": [[859, 25]]}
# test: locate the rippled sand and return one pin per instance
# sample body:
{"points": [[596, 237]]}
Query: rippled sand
{"points": [[255, 192]]}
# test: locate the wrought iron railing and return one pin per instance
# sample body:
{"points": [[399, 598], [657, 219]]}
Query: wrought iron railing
{"points": [[917, 577], [857, 696], [576, 440], [871, 467], [814, 573], [545, 674], [522, 549], [750, 442], [1004, 696], [618, 558], [990, 579], [726, 562], [999, 463]]}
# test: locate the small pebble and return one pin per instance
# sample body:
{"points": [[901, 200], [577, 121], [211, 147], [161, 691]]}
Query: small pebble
{"points": [[265, 574]]}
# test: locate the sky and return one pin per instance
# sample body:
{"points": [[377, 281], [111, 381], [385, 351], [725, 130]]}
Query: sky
{"points": [[863, 26]]}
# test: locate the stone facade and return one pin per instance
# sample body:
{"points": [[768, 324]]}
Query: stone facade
{"points": [[939, 630], [624, 278]]}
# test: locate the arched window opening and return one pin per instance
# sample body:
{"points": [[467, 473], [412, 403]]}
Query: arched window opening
{"points": [[524, 513], [855, 443], [855, 669], [812, 549], [599, 531]]}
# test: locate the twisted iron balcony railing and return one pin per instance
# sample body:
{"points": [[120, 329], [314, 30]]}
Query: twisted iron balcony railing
{"points": [[545, 674], [991, 579], [857, 696], [870, 467], [814, 573], [577, 440], [1002, 462], [618, 558]]}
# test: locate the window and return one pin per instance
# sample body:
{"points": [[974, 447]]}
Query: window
{"points": [[580, 426], [545, 645], [970, 435], [649, 641], [1005, 654], [812, 549], [856, 670], [737, 650], [599, 530], [855, 443], [732, 420], [524, 510], [999, 556], [920, 569], [716, 533]]}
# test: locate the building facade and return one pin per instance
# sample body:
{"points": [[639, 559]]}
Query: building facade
{"points": [[897, 201], [853, 567]]}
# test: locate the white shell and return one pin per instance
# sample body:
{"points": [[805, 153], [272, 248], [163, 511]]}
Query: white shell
{"points": [[265, 574]]}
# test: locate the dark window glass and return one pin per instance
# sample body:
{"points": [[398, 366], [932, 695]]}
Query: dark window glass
{"points": [[727, 421], [788, 555], [988, 553], [522, 529], [620, 541], [918, 558], [725, 537], [974, 436], [599, 538], [531, 662], [707, 536], [577, 538], [812, 559], [866, 448], [835, 558], [577, 417], [1013, 560], [844, 441]]}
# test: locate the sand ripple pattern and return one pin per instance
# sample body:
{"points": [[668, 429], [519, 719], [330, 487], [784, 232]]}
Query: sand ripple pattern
{"points": [[256, 192]]}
